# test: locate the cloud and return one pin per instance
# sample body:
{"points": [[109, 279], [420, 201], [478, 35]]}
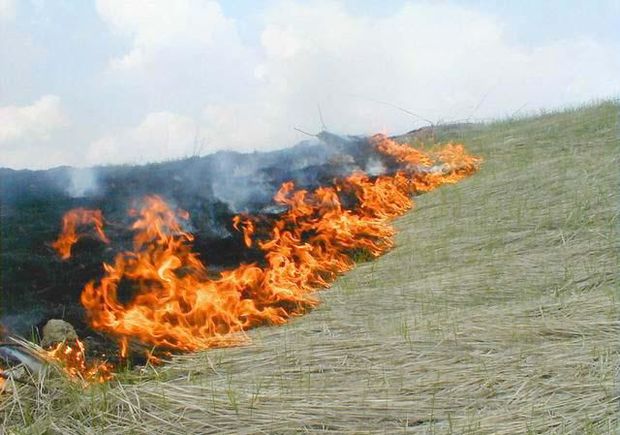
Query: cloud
{"points": [[180, 53], [159, 135], [190, 82], [7, 9], [442, 62], [36, 122], [158, 25]]}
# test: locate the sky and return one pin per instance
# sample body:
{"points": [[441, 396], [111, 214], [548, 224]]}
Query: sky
{"points": [[91, 82]]}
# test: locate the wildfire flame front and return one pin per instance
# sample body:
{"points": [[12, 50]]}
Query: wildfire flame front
{"points": [[177, 304]]}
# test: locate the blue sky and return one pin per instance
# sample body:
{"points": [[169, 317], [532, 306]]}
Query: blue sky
{"points": [[115, 81]]}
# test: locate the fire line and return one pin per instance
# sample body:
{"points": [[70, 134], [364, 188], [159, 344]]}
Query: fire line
{"points": [[179, 306]]}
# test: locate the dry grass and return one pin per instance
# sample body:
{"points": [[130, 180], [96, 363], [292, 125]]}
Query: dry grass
{"points": [[497, 312]]}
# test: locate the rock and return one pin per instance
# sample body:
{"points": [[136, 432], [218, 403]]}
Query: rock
{"points": [[56, 331]]}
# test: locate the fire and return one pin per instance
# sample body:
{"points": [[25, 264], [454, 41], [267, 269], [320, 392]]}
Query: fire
{"points": [[71, 222], [73, 360], [69, 355], [178, 305], [246, 225]]}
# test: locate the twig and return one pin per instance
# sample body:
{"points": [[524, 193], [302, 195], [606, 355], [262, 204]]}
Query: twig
{"points": [[305, 132], [323, 126], [402, 109]]}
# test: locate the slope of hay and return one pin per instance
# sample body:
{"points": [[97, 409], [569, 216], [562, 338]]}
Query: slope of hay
{"points": [[497, 312]]}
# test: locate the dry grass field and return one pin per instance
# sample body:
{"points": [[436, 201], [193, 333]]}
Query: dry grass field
{"points": [[497, 312]]}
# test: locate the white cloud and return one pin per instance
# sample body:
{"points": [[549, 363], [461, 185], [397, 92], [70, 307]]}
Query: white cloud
{"points": [[442, 61], [155, 22], [7, 9], [161, 28], [36, 122], [199, 86], [159, 136], [182, 55]]}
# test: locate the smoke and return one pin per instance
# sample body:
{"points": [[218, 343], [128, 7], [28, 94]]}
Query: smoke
{"points": [[247, 181], [374, 167], [82, 182], [240, 185]]}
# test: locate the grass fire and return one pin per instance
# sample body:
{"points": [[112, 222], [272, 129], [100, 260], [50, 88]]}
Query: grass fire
{"points": [[309, 217], [178, 305], [490, 309]]}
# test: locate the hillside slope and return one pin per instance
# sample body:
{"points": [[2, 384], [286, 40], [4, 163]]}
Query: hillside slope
{"points": [[497, 312]]}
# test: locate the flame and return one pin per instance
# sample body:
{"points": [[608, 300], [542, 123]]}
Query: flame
{"points": [[73, 360], [71, 221], [247, 226], [177, 305]]}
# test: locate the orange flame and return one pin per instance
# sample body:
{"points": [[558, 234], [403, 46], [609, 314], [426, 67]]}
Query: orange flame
{"points": [[246, 225], [178, 306], [73, 360], [71, 221]]}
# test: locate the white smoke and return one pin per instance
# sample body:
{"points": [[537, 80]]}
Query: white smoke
{"points": [[83, 182], [374, 167]]}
